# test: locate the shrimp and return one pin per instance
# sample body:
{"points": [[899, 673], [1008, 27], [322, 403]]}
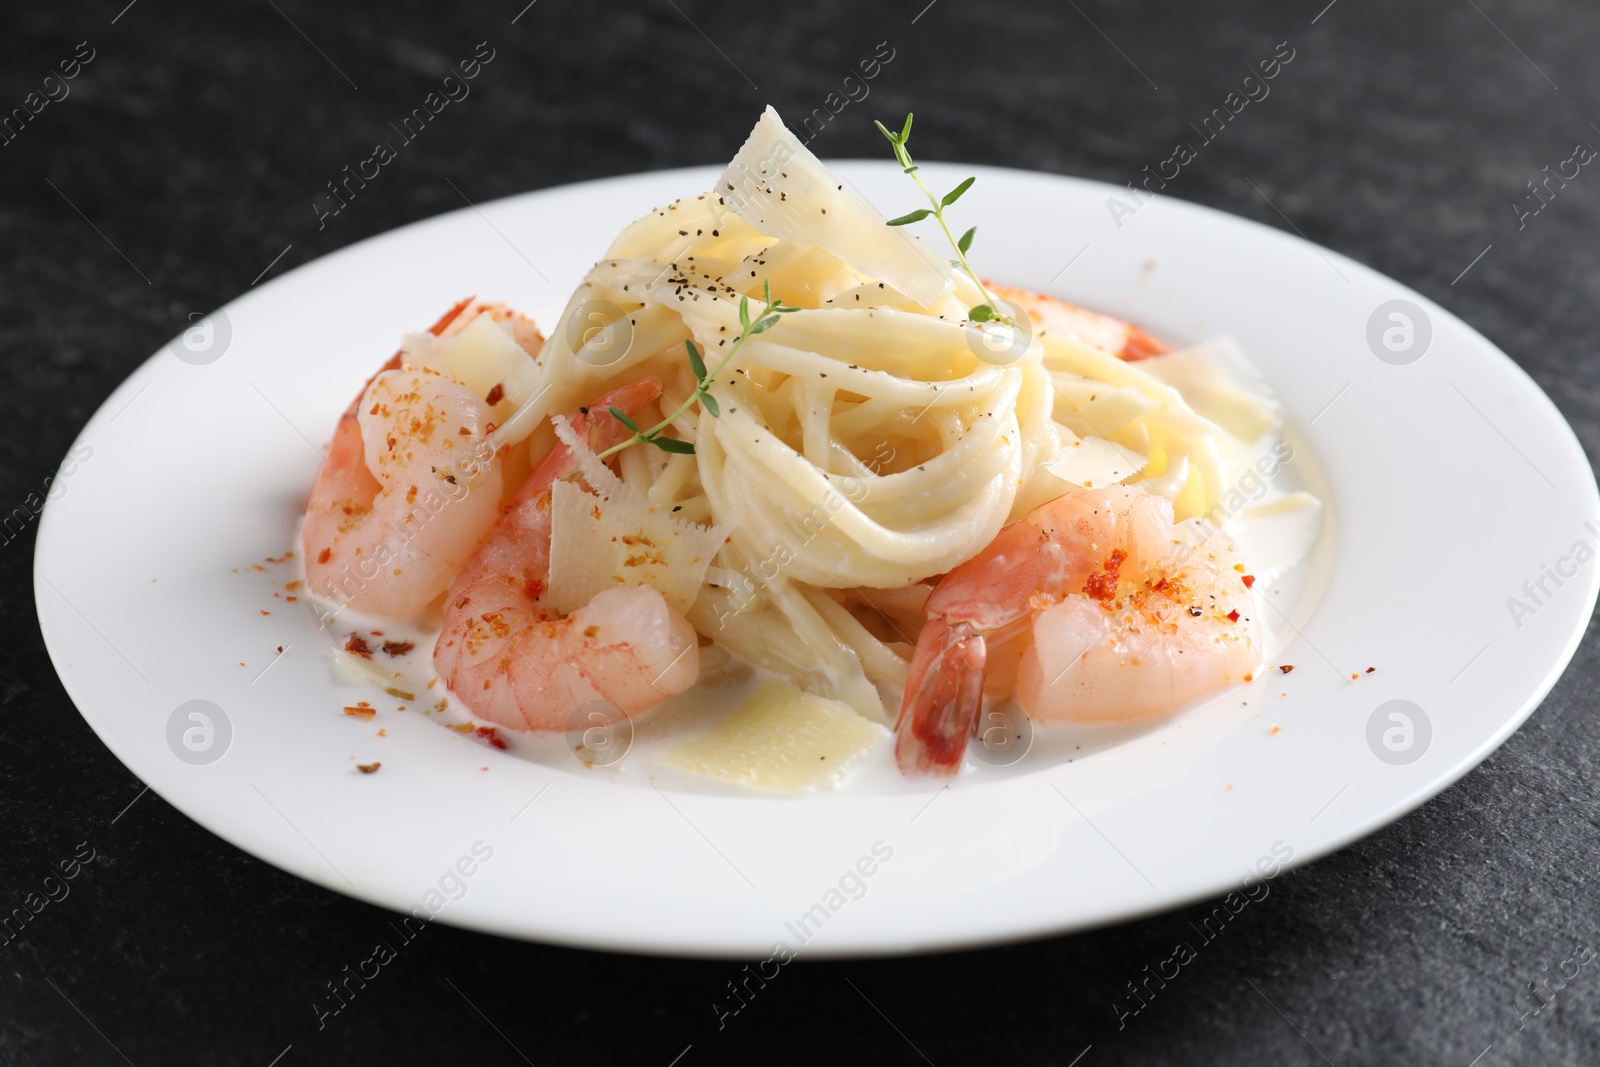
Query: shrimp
{"points": [[410, 483], [515, 661], [1125, 616], [1122, 339]]}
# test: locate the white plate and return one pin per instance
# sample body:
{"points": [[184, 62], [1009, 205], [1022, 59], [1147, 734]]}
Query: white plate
{"points": [[1452, 478]]}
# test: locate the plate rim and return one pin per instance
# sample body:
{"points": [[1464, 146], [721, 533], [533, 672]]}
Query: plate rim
{"points": [[932, 941]]}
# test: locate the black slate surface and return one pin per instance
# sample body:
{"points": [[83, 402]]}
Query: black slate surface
{"points": [[187, 156]]}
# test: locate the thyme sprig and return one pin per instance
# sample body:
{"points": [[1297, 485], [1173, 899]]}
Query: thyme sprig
{"points": [[991, 309], [749, 325]]}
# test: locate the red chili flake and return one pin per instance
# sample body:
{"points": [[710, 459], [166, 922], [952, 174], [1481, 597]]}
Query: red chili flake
{"points": [[495, 395], [533, 588], [1286, 668], [325, 555], [359, 646], [489, 734], [364, 714], [1371, 669], [1249, 580], [265, 612], [1103, 586], [368, 768], [398, 648], [1233, 616]]}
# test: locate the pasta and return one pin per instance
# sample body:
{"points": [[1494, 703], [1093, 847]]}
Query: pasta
{"points": [[864, 444], [870, 442]]}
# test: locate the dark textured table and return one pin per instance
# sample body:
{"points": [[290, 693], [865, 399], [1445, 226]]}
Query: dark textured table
{"points": [[186, 154]]}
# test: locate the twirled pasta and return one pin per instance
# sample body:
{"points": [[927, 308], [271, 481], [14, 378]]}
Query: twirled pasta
{"points": [[867, 443]]}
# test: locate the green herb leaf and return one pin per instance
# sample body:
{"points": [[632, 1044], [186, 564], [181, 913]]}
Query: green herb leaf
{"points": [[763, 325], [622, 417], [744, 312], [910, 217], [766, 291], [696, 364], [672, 444], [991, 310], [709, 402], [955, 194]]}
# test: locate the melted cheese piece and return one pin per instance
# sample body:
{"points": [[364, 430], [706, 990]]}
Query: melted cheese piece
{"points": [[781, 738]]}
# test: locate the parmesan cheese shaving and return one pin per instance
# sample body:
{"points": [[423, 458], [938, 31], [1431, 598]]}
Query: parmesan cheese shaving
{"points": [[615, 538], [480, 357], [781, 738], [1221, 384], [1094, 461], [776, 185]]}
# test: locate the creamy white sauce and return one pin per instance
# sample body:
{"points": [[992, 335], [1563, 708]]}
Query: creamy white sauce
{"points": [[725, 681], [1290, 558]]}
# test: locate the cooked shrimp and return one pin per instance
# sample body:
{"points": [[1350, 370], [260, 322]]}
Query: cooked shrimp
{"points": [[1121, 339], [410, 484], [1126, 616], [514, 660]]}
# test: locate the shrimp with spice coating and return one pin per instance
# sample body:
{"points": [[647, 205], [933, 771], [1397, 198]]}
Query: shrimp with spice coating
{"points": [[1125, 616]]}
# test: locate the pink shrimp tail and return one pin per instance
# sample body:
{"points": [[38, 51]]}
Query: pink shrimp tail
{"points": [[601, 433], [944, 694], [1141, 345]]}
